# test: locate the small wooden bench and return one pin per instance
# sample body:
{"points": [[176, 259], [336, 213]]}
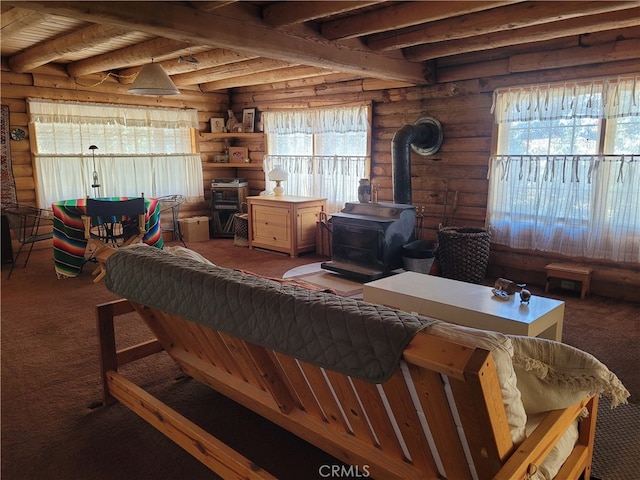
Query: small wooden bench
{"points": [[568, 271]]}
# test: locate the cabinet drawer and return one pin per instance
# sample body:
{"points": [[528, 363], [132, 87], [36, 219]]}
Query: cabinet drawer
{"points": [[271, 226]]}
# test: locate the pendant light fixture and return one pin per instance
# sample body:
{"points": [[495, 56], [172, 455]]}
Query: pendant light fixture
{"points": [[153, 80]]}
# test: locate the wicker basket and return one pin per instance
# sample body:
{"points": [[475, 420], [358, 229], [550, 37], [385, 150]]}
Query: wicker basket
{"points": [[241, 227], [463, 253]]}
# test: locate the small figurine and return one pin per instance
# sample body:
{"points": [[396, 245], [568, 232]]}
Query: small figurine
{"points": [[525, 296], [507, 285], [232, 124]]}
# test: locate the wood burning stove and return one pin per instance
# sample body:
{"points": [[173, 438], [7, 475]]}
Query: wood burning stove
{"points": [[368, 238]]}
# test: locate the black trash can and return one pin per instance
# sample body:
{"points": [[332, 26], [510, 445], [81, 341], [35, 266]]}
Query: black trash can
{"points": [[463, 253], [417, 256]]}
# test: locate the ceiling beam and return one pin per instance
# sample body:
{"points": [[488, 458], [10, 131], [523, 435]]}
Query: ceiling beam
{"points": [[495, 20], [572, 57], [520, 36], [126, 57], [271, 76], [17, 19], [400, 16], [51, 50], [285, 86], [209, 59], [210, 6], [184, 23], [281, 14], [237, 69]]}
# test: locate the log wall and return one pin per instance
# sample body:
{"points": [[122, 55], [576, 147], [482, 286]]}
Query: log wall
{"points": [[51, 83], [450, 187]]}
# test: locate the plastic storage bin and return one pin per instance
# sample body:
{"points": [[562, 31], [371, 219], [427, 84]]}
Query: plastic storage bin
{"points": [[417, 256]]}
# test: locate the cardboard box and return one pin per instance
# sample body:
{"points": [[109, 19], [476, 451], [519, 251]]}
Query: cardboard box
{"points": [[195, 229]]}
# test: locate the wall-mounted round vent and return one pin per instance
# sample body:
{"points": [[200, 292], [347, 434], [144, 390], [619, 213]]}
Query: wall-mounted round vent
{"points": [[430, 143]]}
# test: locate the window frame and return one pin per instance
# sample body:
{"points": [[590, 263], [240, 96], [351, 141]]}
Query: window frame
{"points": [[334, 204], [537, 223], [154, 170]]}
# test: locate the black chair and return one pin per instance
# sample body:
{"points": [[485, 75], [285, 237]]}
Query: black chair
{"points": [[29, 226], [112, 224], [172, 203]]}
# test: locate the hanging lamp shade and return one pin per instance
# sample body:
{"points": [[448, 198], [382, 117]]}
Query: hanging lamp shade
{"points": [[153, 80]]}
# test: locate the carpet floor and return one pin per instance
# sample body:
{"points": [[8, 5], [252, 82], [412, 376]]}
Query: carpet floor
{"points": [[616, 452], [53, 427]]}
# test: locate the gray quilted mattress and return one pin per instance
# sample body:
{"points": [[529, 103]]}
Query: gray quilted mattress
{"points": [[353, 337]]}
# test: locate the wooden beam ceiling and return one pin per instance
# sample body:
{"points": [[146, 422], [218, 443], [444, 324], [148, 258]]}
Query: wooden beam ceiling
{"points": [[15, 20], [268, 76], [223, 72], [211, 45], [53, 50], [281, 14], [184, 23], [520, 36], [126, 57], [507, 18], [392, 18]]}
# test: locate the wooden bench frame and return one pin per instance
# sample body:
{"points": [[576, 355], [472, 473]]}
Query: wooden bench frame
{"points": [[278, 387]]}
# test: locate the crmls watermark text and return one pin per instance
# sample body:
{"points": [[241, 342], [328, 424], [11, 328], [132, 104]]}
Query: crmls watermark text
{"points": [[343, 471]]}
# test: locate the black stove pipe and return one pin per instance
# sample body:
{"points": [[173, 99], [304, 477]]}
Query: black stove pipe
{"points": [[422, 135]]}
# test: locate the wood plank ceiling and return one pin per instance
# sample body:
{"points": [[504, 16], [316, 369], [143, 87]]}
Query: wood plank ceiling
{"points": [[212, 46]]}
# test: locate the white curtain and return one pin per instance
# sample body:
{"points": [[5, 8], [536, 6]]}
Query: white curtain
{"points": [[584, 205], [575, 205], [604, 98], [334, 178], [321, 120], [62, 177], [324, 151], [140, 150]]}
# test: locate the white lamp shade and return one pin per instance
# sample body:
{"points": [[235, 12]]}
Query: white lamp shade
{"points": [[278, 173], [153, 80]]}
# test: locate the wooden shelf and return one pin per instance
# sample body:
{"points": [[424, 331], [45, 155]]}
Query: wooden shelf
{"points": [[210, 165], [228, 139], [224, 136]]}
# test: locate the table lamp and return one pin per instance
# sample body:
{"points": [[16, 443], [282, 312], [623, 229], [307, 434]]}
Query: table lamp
{"points": [[278, 175]]}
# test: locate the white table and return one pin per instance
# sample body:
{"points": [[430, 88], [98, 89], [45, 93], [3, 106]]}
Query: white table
{"points": [[468, 304]]}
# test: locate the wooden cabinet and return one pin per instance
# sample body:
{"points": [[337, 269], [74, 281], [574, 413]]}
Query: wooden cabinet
{"points": [[284, 224]]}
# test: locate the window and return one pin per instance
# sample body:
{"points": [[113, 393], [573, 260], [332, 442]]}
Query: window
{"points": [[566, 176], [324, 151], [140, 150]]}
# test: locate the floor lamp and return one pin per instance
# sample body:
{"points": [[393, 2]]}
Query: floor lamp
{"points": [[96, 183]]}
